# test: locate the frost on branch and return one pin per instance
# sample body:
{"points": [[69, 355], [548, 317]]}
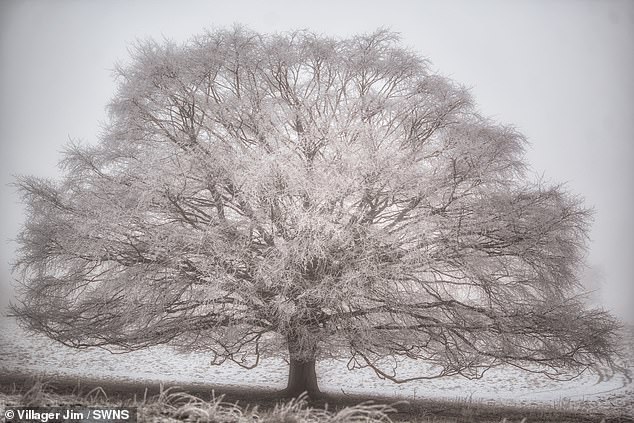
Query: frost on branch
{"points": [[253, 194]]}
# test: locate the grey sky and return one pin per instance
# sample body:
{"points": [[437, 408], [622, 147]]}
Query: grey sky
{"points": [[561, 71]]}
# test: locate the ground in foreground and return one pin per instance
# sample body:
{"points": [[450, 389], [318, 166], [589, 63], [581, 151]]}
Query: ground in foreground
{"points": [[205, 404]]}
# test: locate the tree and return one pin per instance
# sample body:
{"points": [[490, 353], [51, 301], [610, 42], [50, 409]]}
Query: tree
{"points": [[257, 194]]}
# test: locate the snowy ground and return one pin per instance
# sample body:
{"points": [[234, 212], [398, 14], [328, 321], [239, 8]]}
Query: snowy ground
{"points": [[36, 354]]}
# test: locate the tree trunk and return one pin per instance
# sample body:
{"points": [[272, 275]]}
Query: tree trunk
{"points": [[302, 376]]}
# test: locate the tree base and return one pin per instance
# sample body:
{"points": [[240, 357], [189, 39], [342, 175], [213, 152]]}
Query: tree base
{"points": [[302, 378], [294, 393], [314, 398]]}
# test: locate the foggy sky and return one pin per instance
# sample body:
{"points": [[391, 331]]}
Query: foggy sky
{"points": [[560, 71]]}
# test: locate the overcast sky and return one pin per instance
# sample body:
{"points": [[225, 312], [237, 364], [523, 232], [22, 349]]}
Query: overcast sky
{"points": [[560, 71]]}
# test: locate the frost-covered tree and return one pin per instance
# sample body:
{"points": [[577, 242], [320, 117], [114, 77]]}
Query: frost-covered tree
{"points": [[295, 194]]}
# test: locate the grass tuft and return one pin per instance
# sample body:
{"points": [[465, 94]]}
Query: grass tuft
{"points": [[171, 405], [297, 411]]}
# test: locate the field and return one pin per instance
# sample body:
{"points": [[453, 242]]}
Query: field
{"points": [[36, 355]]}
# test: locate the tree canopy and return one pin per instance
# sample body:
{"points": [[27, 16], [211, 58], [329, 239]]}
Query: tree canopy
{"points": [[254, 194]]}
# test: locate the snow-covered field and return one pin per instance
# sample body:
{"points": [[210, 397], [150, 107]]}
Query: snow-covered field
{"points": [[36, 354]]}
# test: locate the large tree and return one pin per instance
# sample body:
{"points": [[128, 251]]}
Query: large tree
{"points": [[252, 194]]}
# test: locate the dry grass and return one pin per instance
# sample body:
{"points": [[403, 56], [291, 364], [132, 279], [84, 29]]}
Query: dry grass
{"points": [[172, 405]]}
